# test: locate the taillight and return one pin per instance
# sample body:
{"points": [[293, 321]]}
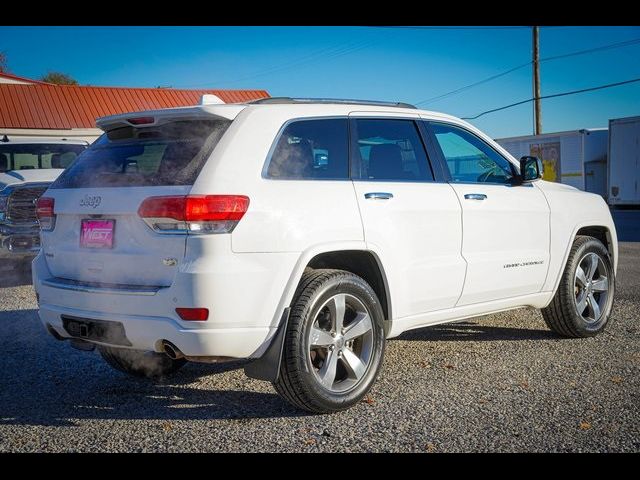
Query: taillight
{"points": [[45, 213], [141, 120], [194, 213], [193, 314]]}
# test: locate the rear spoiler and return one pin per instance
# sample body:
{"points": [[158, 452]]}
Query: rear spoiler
{"points": [[152, 118]]}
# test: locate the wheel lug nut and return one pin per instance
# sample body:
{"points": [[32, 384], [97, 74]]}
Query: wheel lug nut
{"points": [[331, 347]]}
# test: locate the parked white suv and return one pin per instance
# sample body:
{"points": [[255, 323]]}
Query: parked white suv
{"points": [[303, 234]]}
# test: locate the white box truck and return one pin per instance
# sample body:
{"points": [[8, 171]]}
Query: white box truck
{"points": [[577, 157], [624, 162]]}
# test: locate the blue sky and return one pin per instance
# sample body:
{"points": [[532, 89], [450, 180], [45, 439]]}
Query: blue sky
{"points": [[353, 62]]}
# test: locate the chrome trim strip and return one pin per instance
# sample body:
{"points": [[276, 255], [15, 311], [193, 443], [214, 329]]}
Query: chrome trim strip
{"points": [[89, 288]]}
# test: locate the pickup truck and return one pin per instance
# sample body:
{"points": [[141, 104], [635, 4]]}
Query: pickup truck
{"points": [[27, 168]]}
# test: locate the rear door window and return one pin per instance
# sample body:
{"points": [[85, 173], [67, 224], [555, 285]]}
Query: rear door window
{"points": [[311, 149], [169, 154], [389, 150]]}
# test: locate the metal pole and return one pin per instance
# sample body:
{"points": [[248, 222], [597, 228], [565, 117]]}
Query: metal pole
{"points": [[537, 108]]}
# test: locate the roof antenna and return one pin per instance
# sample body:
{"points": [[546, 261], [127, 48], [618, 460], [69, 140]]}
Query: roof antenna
{"points": [[5, 139]]}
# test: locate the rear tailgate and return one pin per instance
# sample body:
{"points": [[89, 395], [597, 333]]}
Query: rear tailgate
{"points": [[137, 255], [97, 234]]}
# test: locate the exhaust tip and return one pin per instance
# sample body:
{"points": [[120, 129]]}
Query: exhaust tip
{"points": [[171, 351]]}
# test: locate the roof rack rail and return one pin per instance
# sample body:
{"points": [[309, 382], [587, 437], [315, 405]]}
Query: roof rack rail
{"points": [[289, 100]]}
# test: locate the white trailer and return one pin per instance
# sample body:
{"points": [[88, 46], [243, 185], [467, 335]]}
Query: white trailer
{"points": [[624, 161], [577, 157]]}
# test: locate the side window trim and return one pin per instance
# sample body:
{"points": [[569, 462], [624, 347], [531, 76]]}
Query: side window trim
{"points": [[442, 160], [354, 154], [264, 174], [434, 154]]}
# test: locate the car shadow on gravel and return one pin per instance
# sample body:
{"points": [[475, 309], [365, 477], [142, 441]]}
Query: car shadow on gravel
{"points": [[46, 382], [14, 273], [474, 332], [106, 395]]}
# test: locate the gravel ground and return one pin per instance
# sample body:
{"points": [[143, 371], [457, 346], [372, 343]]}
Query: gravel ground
{"points": [[497, 383]]}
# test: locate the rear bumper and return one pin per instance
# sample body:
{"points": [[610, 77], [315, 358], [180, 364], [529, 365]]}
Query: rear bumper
{"points": [[241, 291], [19, 241], [147, 333]]}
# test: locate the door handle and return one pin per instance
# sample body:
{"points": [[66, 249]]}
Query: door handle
{"points": [[475, 196], [378, 196]]}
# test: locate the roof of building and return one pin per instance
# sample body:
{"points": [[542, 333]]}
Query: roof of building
{"points": [[46, 106], [11, 76]]}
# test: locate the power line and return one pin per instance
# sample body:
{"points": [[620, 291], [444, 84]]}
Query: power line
{"points": [[461, 89], [324, 54], [450, 27], [291, 63], [346, 48], [294, 62], [563, 94], [610, 46], [327, 55]]}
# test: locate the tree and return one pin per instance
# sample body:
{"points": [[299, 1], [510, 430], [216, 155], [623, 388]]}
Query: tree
{"points": [[59, 78], [3, 63]]}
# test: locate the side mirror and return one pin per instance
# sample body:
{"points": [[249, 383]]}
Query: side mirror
{"points": [[531, 169]]}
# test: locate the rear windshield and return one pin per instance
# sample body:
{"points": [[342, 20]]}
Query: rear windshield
{"points": [[31, 156], [169, 154]]}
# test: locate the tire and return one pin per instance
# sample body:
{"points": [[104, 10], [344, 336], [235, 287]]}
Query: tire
{"points": [[140, 363], [311, 353], [562, 315]]}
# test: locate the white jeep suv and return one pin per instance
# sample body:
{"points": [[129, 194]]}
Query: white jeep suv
{"points": [[302, 234]]}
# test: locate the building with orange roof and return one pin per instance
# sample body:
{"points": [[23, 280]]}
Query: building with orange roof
{"points": [[31, 108]]}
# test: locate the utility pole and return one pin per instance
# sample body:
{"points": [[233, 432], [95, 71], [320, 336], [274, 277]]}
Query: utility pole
{"points": [[537, 108]]}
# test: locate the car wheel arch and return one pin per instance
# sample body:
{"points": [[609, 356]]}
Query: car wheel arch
{"points": [[592, 229], [354, 257]]}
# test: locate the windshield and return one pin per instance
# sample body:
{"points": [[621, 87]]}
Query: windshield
{"points": [[30, 156], [169, 154]]}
